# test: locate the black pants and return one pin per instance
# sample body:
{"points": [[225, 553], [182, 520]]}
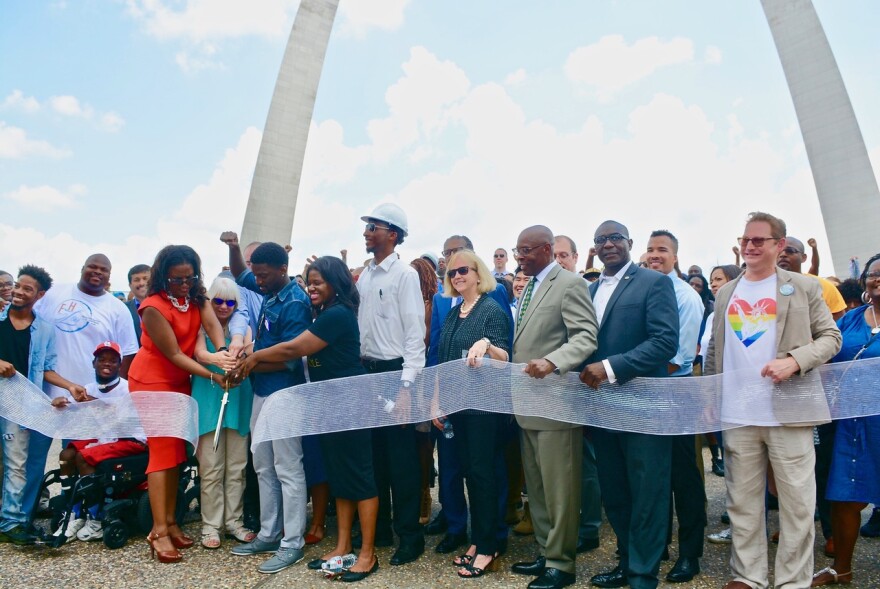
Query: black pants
{"points": [[398, 476], [689, 496], [479, 448], [823, 465]]}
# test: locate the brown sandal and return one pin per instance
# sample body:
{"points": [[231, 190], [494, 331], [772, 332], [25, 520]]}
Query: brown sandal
{"points": [[828, 576]]}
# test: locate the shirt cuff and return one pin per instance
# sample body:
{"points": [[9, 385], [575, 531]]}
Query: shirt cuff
{"points": [[609, 371], [408, 374]]}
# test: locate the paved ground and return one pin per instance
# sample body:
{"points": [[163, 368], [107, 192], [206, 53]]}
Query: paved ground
{"points": [[80, 565]]}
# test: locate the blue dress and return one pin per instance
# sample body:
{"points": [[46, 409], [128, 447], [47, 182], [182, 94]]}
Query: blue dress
{"points": [[855, 462]]}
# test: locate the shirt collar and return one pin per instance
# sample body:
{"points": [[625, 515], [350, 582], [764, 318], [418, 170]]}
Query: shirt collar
{"points": [[615, 278], [540, 276], [287, 291], [386, 263]]}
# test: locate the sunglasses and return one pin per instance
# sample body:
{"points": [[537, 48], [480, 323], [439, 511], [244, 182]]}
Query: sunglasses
{"points": [[500, 255], [756, 241], [371, 227], [451, 272], [182, 281], [613, 238], [220, 302]]}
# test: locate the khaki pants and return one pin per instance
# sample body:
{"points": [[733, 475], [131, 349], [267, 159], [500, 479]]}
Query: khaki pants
{"points": [[222, 480], [747, 451]]}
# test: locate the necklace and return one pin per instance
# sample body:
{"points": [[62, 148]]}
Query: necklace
{"points": [[466, 309], [183, 308], [876, 329]]}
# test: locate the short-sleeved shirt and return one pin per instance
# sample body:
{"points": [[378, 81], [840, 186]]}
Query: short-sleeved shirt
{"points": [[832, 297], [338, 326], [15, 345]]}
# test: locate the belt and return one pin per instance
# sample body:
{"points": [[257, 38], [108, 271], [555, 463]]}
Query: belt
{"points": [[373, 365]]}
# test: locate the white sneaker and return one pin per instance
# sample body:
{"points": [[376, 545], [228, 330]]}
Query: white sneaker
{"points": [[722, 537], [74, 525], [90, 531]]}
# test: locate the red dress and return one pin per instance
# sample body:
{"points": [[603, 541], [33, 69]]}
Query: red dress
{"points": [[151, 370]]}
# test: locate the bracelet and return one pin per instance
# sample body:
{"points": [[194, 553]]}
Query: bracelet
{"points": [[212, 380]]}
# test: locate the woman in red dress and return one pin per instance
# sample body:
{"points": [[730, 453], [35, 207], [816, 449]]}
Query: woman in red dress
{"points": [[171, 317]]}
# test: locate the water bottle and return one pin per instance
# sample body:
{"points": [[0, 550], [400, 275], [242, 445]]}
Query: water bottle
{"points": [[387, 404], [448, 433]]}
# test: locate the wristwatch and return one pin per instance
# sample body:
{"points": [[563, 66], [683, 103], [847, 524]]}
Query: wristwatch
{"points": [[405, 384], [488, 343]]}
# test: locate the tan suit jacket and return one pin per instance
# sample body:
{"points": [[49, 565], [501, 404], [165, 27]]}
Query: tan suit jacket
{"points": [[805, 330], [559, 325]]}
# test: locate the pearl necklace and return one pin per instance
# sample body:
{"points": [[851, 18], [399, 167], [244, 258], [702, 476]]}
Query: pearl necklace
{"points": [[876, 328], [466, 310], [183, 308]]}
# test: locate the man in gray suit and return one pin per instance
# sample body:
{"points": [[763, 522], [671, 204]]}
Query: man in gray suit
{"points": [[635, 339], [555, 331]]}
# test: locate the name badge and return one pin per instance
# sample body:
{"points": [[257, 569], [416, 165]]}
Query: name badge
{"points": [[786, 290]]}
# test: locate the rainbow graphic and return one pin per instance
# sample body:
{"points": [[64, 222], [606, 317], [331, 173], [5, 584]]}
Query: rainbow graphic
{"points": [[751, 321]]}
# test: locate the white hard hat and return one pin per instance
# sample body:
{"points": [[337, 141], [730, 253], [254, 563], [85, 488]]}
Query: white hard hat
{"points": [[391, 214]]}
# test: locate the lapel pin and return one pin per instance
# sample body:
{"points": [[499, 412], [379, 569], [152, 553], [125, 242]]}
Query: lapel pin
{"points": [[626, 277], [786, 290]]}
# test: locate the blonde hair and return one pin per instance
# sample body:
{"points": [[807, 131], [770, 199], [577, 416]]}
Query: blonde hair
{"points": [[225, 288], [486, 282]]}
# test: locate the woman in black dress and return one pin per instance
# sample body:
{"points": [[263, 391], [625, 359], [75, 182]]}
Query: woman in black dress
{"points": [[332, 345], [480, 327]]}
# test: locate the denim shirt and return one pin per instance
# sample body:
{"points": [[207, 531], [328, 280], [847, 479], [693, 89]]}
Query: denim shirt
{"points": [[282, 318]]}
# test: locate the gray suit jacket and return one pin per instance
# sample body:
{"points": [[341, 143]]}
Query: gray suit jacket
{"points": [[559, 325], [805, 330]]}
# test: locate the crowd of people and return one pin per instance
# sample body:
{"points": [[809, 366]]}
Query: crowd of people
{"points": [[254, 330]]}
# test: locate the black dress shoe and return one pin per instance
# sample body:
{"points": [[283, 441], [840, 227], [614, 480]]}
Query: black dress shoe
{"points": [[587, 544], [352, 577], [315, 565], [382, 540], [613, 578], [407, 553], [685, 569], [553, 579], [450, 542], [533, 568], [437, 526]]}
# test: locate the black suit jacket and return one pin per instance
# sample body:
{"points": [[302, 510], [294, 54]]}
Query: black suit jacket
{"points": [[133, 309], [638, 334]]}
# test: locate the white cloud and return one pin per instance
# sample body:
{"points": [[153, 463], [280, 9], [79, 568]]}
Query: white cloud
{"points": [[14, 144], [712, 56], [515, 78], [192, 64], [359, 17], [70, 106], [45, 199], [17, 100], [112, 122], [610, 64]]}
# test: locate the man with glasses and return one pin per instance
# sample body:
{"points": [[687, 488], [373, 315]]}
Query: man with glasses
{"points": [[771, 325], [453, 517], [555, 332], [500, 261], [6, 282], [391, 318], [638, 336], [565, 252], [792, 258]]}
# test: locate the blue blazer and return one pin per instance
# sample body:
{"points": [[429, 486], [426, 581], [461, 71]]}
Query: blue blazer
{"points": [[638, 334], [440, 307]]}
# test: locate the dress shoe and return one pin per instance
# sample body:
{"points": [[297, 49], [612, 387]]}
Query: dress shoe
{"points": [[587, 544], [553, 579], [450, 542], [614, 578], [685, 569], [737, 585], [437, 526], [533, 568], [353, 577], [406, 553]]}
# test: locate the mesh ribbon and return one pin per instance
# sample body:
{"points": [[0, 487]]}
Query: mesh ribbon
{"points": [[152, 414]]}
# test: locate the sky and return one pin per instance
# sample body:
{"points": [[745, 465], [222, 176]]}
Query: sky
{"points": [[126, 125]]}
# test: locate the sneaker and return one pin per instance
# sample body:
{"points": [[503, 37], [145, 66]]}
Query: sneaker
{"points": [[256, 547], [18, 536], [74, 525], [284, 558], [92, 530], [722, 537], [872, 528]]}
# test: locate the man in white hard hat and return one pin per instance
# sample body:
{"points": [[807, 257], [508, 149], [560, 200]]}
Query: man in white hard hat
{"points": [[391, 318]]}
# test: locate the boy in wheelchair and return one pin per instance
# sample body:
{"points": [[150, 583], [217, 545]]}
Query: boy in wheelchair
{"points": [[82, 457]]}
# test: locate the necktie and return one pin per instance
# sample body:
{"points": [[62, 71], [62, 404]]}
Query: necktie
{"points": [[527, 297]]}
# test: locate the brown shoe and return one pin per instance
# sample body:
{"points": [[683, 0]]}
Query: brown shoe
{"points": [[524, 527], [737, 585]]}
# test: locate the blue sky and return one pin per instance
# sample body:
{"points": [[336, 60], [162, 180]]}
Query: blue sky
{"points": [[126, 125]]}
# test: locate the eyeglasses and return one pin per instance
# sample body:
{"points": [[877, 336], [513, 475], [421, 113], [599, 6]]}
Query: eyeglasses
{"points": [[872, 275], [451, 272], [524, 251], [371, 227], [182, 281], [562, 255], [613, 238], [5, 285], [220, 302], [789, 250], [450, 251], [500, 256], [756, 241]]}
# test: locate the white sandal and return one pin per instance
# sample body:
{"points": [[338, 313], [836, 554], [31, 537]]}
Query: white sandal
{"points": [[835, 577], [210, 540], [242, 534]]}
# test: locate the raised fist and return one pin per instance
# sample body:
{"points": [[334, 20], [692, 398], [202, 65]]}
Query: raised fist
{"points": [[229, 238]]}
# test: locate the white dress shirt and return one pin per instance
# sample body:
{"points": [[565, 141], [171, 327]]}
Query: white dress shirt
{"points": [[391, 315], [606, 287], [690, 316], [538, 279]]}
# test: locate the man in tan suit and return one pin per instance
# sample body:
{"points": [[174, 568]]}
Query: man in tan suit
{"points": [[555, 331], [773, 327]]}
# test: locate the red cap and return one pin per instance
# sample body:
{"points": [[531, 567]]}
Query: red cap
{"points": [[108, 346]]}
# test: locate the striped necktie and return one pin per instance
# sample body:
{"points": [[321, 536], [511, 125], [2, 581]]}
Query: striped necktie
{"points": [[527, 298]]}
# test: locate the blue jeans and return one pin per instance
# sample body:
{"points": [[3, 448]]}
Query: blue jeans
{"points": [[24, 464]]}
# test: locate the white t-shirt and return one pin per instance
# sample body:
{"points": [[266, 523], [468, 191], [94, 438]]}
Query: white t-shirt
{"points": [[120, 390], [749, 344], [81, 323]]}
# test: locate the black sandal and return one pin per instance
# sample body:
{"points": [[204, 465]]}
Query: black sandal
{"points": [[475, 572], [463, 560]]}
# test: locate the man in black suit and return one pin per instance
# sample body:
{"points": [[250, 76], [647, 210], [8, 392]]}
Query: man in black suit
{"points": [[634, 468], [138, 280]]}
